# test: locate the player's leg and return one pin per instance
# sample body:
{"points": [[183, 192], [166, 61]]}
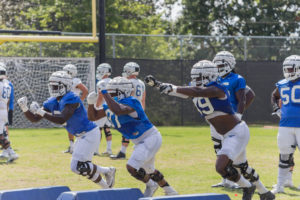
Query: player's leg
{"points": [[5, 143], [233, 145], [71, 146], [141, 163], [108, 137], [286, 139], [81, 164], [122, 152]]}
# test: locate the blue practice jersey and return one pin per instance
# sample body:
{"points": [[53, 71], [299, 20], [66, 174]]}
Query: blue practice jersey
{"points": [[233, 82], [207, 106], [290, 106], [79, 122], [12, 97], [129, 127]]}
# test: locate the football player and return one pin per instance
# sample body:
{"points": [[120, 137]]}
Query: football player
{"points": [[65, 107], [127, 115], [212, 100], [287, 90], [102, 74], [241, 96], [79, 89], [5, 94], [131, 71]]}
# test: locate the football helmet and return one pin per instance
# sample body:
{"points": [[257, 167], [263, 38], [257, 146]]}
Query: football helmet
{"points": [[102, 70], [60, 82], [203, 72], [131, 68], [2, 70], [291, 67], [121, 86], [225, 62], [71, 69]]}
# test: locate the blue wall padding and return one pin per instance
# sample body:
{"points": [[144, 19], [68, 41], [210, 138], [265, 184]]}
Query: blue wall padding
{"points": [[208, 196], [44, 193]]}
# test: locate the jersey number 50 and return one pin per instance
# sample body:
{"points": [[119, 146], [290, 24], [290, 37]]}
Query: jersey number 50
{"points": [[286, 97]]}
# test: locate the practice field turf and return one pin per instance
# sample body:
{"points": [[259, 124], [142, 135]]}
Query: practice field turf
{"points": [[187, 160]]}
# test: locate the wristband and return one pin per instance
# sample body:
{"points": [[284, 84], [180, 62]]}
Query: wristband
{"points": [[174, 89], [104, 91], [24, 109]]}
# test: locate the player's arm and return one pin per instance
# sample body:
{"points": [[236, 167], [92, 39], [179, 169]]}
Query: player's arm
{"points": [[65, 115], [84, 91], [144, 100], [250, 95], [195, 91], [241, 98], [275, 97], [118, 109]]}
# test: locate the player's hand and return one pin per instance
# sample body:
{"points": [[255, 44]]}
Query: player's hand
{"points": [[151, 81], [34, 106], [92, 98], [277, 112], [101, 86], [22, 102], [166, 88]]}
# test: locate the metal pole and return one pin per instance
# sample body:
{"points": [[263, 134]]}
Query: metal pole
{"points": [[180, 41], [41, 47], [245, 48], [114, 45], [101, 31]]}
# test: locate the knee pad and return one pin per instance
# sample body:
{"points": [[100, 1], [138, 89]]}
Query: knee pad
{"points": [[140, 174], [231, 173], [83, 168], [286, 160], [217, 144], [248, 172], [157, 176], [107, 132], [124, 140]]}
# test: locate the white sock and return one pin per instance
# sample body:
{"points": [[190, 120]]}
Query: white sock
{"points": [[102, 170], [282, 174], [10, 150], [71, 144], [150, 182], [169, 189], [243, 182], [289, 176], [123, 149], [260, 187], [108, 147]]}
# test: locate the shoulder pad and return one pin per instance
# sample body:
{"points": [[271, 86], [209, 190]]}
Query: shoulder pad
{"points": [[282, 82], [70, 98]]}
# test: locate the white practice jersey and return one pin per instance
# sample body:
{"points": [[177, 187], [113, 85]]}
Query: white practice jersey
{"points": [[75, 83], [5, 91], [139, 88], [103, 121]]}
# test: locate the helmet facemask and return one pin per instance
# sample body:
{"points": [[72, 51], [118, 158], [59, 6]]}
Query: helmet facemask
{"points": [[203, 73], [57, 89], [291, 72], [102, 70], [60, 83], [120, 87], [223, 67], [131, 68]]}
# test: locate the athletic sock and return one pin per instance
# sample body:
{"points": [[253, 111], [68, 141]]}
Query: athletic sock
{"points": [[71, 145], [103, 184], [243, 182], [108, 147], [260, 187], [102, 170], [282, 174], [123, 149]]}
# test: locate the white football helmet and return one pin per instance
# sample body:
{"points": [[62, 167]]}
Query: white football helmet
{"points": [[291, 67], [60, 82], [120, 86], [225, 62], [131, 68], [203, 72], [102, 70], [2, 70], [71, 69]]}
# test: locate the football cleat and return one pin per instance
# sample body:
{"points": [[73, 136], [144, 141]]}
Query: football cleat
{"points": [[69, 150], [288, 183], [110, 177], [267, 196], [96, 154], [107, 153], [248, 192], [150, 190], [278, 189], [11, 157], [221, 184], [4, 155], [169, 191], [119, 156], [231, 185]]}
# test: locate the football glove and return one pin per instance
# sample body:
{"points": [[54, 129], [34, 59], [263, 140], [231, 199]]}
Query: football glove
{"points": [[239, 115], [166, 88], [277, 112], [36, 109], [151, 81], [22, 102], [92, 98], [101, 86]]}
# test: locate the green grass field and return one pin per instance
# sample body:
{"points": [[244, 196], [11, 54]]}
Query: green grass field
{"points": [[186, 159]]}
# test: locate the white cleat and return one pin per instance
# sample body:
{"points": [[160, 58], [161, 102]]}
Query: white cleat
{"points": [[110, 177], [4, 155], [12, 157], [107, 153], [288, 183], [169, 191], [277, 189], [150, 190], [230, 184]]}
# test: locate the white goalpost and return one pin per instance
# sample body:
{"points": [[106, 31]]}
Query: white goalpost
{"points": [[30, 76]]}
